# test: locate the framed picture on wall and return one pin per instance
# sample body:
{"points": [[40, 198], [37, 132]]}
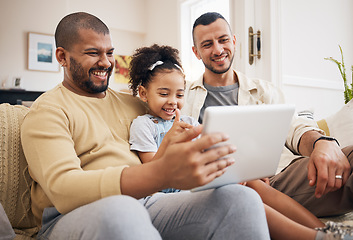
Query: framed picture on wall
{"points": [[122, 63], [41, 53]]}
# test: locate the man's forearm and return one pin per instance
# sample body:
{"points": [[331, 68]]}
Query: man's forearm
{"points": [[306, 142]]}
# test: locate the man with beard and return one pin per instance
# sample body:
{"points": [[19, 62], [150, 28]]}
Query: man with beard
{"points": [[87, 182], [321, 182]]}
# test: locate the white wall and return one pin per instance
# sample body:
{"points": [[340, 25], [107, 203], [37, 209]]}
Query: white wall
{"points": [[133, 23], [311, 31], [296, 37], [308, 28], [17, 18], [163, 22]]}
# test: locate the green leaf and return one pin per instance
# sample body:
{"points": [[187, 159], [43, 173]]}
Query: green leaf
{"points": [[348, 91]]}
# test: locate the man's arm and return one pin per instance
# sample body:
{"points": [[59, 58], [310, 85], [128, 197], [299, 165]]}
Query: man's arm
{"points": [[183, 165], [326, 161]]}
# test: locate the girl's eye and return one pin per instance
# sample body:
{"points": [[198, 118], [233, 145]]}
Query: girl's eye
{"points": [[163, 94], [180, 95]]}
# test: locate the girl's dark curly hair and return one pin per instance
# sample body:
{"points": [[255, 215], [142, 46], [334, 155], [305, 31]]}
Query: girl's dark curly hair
{"points": [[145, 57]]}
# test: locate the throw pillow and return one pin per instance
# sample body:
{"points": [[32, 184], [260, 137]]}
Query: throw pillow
{"points": [[340, 125], [15, 181]]}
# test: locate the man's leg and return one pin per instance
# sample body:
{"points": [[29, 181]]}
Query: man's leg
{"points": [[116, 217], [6, 231], [293, 181], [229, 212]]}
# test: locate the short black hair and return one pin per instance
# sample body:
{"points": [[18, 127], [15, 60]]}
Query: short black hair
{"points": [[206, 19], [144, 58], [67, 31]]}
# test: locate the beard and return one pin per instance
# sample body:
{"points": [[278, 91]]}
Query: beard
{"points": [[212, 69], [79, 77]]}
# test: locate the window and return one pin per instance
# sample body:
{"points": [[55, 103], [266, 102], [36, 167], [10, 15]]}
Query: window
{"points": [[190, 10]]}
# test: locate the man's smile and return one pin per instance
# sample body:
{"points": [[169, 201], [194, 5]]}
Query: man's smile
{"points": [[220, 59]]}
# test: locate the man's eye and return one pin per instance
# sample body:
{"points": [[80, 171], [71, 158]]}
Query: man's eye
{"points": [[110, 54], [224, 40], [92, 53]]}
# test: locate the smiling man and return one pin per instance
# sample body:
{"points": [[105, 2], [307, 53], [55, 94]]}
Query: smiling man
{"points": [[89, 185], [83, 57], [318, 177]]}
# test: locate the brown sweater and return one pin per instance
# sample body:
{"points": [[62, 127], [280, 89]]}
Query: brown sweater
{"points": [[77, 147]]}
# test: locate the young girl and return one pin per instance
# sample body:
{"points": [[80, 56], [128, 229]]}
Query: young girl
{"points": [[157, 76]]}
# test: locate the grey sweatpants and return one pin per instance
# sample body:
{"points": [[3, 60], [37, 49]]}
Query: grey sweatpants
{"points": [[229, 212], [293, 181]]}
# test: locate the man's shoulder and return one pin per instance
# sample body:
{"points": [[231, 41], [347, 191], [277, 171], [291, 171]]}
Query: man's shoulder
{"points": [[128, 101], [49, 99], [248, 82], [194, 84]]}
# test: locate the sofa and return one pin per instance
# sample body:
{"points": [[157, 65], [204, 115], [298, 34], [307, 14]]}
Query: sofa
{"points": [[15, 181]]}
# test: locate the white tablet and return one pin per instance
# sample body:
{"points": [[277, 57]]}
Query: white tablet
{"points": [[259, 133]]}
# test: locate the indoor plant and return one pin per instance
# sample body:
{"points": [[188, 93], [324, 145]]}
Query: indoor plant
{"points": [[348, 90]]}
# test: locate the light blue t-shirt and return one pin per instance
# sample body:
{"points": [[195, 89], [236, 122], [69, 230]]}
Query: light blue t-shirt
{"points": [[147, 131]]}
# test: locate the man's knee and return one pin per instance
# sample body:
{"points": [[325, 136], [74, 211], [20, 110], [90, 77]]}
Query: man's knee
{"points": [[122, 213], [244, 208], [242, 191], [237, 195], [348, 151]]}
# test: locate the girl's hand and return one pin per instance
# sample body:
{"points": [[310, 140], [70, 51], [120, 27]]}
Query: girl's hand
{"points": [[177, 128]]}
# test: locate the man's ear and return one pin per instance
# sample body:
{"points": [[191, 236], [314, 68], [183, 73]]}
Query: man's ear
{"points": [[143, 93], [60, 54], [234, 40], [194, 49]]}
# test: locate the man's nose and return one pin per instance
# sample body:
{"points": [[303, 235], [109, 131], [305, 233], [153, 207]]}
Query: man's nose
{"points": [[104, 61], [217, 49]]}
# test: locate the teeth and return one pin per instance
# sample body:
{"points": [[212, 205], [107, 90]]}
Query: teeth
{"points": [[219, 60], [169, 110], [102, 74]]}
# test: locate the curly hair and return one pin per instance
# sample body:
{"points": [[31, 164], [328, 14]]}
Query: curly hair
{"points": [[146, 57]]}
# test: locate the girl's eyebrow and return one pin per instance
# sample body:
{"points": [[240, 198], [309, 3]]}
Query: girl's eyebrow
{"points": [[167, 89]]}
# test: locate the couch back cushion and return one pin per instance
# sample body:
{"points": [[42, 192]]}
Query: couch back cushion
{"points": [[15, 181], [340, 125]]}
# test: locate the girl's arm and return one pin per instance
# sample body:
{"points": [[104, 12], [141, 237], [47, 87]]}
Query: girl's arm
{"points": [[146, 156]]}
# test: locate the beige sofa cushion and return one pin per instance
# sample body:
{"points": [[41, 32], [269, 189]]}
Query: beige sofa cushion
{"points": [[15, 181], [340, 125]]}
